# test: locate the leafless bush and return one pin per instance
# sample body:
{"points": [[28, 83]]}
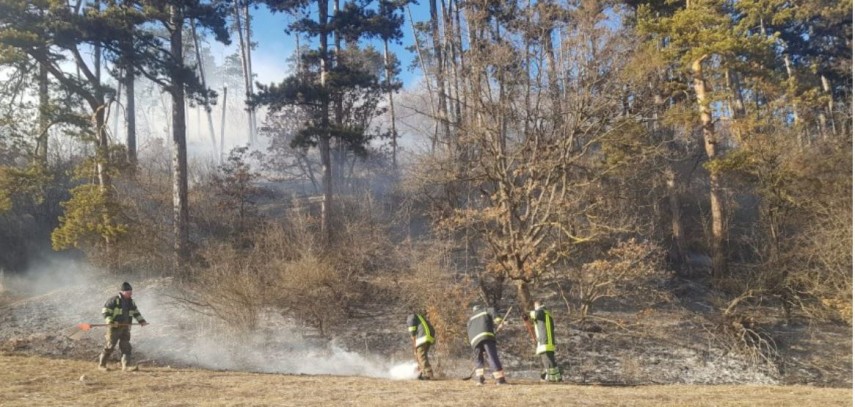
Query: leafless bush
{"points": [[361, 238], [741, 334], [627, 270], [313, 291], [232, 287]]}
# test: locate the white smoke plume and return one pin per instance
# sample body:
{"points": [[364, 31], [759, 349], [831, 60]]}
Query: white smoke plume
{"points": [[58, 296]]}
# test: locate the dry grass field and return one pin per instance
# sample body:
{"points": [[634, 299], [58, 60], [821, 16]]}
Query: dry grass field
{"points": [[38, 381]]}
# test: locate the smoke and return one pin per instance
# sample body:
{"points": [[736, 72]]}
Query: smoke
{"points": [[404, 371], [180, 334], [47, 273]]}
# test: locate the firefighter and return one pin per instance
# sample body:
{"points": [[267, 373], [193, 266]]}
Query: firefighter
{"points": [[482, 337], [120, 310], [423, 336], [544, 328]]}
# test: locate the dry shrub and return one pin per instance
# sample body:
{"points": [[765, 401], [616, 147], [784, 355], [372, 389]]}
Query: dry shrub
{"points": [[430, 285], [311, 290], [232, 287], [739, 333], [629, 269], [323, 284], [361, 243]]}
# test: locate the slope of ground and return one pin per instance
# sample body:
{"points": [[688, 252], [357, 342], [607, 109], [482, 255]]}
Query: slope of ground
{"points": [[33, 380], [665, 345]]}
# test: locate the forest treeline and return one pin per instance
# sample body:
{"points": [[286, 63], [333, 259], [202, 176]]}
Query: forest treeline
{"points": [[596, 145]]}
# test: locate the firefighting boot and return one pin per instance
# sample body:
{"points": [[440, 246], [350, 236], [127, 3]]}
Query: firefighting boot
{"points": [[553, 374], [126, 364], [500, 377], [479, 377], [102, 361]]}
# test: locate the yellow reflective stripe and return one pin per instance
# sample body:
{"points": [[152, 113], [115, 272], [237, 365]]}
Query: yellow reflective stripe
{"points": [[549, 346], [547, 323], [427, 337], [412, 329], [423, 340], [545, 348], [478, 315], [481, 335]]}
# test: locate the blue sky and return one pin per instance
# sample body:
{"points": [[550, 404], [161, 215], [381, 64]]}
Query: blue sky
{"points": [[274, 47]]}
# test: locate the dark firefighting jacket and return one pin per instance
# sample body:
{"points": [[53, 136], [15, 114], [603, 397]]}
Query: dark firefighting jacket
{"points": [[420, 329], [481, 326]]}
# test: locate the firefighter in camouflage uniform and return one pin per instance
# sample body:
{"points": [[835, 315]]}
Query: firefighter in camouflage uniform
{"points": [[120, 310]]}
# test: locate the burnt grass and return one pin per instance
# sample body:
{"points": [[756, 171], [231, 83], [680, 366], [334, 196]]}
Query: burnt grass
{"points": [[677, 341]]}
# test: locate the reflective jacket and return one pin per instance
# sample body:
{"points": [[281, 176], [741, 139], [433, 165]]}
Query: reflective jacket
{"points": [[121, 310], [544, 327], [481, 326], [420, 329]]}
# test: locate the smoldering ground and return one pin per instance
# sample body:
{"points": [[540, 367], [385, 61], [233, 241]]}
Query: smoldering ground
{"points": [[54, 297]]}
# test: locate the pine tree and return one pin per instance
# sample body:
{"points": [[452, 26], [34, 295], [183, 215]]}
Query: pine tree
{"points": [[322, 85]]}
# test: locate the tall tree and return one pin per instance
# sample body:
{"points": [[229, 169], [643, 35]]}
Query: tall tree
{"points": [[700, 39], [321, 84]]}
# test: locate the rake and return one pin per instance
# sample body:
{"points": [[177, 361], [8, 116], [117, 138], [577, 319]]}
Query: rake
{"points": [[83, 327]]}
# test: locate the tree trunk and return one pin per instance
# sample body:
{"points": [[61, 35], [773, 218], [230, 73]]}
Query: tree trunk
{"points": [[252, 124], [523, 296], [247, 81], [130, 118], [338, 152], [826, 87], [440, 76], [451, 57], [207, 104], [101, 121], [552, 75], [791, 93], [179, 148], [433, 137], [44, 121], [711, 147], [735, 102], [391, 106], [223, 125], [324, 138], [462, 99], [677, 235]]}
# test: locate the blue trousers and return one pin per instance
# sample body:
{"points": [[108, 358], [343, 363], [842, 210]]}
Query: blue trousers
{"points": [[487, 347]]}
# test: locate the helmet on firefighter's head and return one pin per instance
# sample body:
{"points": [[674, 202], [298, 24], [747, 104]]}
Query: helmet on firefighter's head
{"points": [[126, 287]]}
